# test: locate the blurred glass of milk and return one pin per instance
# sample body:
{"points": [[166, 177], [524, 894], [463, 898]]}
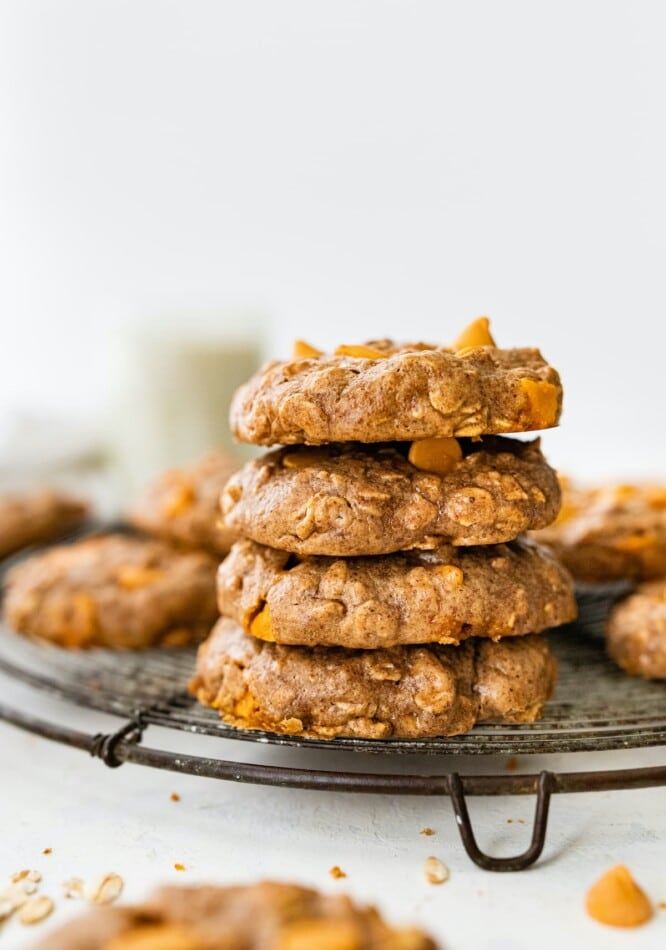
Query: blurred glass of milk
{"points": [[175, 379]]}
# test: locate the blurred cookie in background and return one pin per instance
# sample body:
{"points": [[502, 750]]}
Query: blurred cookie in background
{"points": [[636, 631], [611, 532], [36, 516], [183, 505], [113, 591]]}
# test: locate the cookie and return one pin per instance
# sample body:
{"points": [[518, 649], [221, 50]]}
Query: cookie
{"points": [[444, 595], [400, 393], [33, 517], [183, 505], [113, 591], [408, 692], [264, 916], [352, 499], [611, 532], [636, 631]]}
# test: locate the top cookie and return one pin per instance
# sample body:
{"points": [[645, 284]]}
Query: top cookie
{"points": [[385, 392], [264, 916], [182, 505], [32, 517], [612, 532]]}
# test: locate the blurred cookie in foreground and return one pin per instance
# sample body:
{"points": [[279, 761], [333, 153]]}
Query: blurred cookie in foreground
{"points": [[264, 916], [113, 591], [36, 516], [183, 505], [611, 532], [636, 631], [404, 692], [353, 499]]}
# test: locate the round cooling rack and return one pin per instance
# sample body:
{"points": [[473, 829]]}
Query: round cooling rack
{"points": [[596, 708]]}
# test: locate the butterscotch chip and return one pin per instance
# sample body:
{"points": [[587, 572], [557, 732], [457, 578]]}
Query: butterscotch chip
{"points": [[265, 916], [351, 499], [33, 517], [77, 595], [636, 631], [443, 595], [617, 900], [400, 392], [182, 505], [410, 692], [611, 532]]}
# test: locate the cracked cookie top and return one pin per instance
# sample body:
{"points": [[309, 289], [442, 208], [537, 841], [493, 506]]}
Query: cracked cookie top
{"points": [[353, 499], [385, 392]]}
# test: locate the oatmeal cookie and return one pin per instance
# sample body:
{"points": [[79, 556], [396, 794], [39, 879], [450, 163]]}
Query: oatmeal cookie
{"points": [[113, 591], [399, 393], [264, 916], [408, 691], [610, 533], [353, 499], [32, 517], [183, 505], [636, 631], [443, 595]]}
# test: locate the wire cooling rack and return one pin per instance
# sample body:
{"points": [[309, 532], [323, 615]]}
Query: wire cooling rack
{"points": [[596, 708]]}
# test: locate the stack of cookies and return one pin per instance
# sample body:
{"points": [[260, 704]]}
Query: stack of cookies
{"points": [[381, 586]]}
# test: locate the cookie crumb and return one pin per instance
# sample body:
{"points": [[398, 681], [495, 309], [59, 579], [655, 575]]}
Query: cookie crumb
{"points": [[178, 866], [106, 889], [337, 872], [427, 832], [47, 851], [175, 797], [617, 900], [436, 871], [511, 764], [36, 909], [662, 905], [509, 821]]}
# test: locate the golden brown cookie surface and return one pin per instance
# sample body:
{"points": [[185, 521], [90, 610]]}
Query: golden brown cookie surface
{"points": [[183, 505], [443, 595], [401, 393], [636, 631], [408, 691], [264, 916], [351, 499], [113, 591], [32, 517], [611, 532]]}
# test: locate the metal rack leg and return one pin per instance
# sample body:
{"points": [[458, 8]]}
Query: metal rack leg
{"points": [[520, 861]]}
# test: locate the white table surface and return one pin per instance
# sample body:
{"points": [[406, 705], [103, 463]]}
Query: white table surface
{"points": [[98, 820]]}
